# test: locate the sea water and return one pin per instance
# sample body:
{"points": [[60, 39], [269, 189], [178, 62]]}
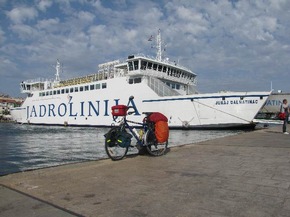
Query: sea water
{"points": [[28, 147]]}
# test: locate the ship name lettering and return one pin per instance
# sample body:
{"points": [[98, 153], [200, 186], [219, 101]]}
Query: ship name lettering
{"points": [[237, 102], [273, 102], [71, 109]]}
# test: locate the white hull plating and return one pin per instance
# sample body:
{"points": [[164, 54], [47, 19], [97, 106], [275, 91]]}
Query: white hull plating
{"points": [[93, 107]]}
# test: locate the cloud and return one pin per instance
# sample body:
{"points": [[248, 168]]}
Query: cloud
{"points": [[86, 16], [2, 36], [24, 32], [221, 41], [22, 14], [43, 5], [50, 25]]}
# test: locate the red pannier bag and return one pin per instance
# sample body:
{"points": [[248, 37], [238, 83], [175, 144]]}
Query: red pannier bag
{"points": [[157, 116], [161, 131], [282, 115], [161, 126]]}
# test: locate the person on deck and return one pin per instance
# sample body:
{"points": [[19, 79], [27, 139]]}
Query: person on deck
{"points": [[285, 109]]}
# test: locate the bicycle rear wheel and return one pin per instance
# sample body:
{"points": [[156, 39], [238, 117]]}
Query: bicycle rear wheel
{"points": [[112, 147], [153, 147]]}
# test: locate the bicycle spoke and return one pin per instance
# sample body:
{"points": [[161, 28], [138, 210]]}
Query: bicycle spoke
{"points": [[153, 147], [113, 150]]}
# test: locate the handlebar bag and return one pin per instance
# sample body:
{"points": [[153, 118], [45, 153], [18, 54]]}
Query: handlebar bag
{"points": [[119, 110]]}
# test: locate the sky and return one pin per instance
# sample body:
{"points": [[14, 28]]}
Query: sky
{"points": [[234, 45]]}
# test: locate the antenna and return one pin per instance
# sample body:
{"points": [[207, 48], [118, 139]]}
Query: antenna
{"points": [[159, 46], [272, 86], [57, 69]]}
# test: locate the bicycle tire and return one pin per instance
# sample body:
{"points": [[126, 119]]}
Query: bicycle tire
{"points": [[113, 150], [153, 147]]}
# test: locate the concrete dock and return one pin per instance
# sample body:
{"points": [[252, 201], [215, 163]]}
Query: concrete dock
{"points": [[243, 175]]}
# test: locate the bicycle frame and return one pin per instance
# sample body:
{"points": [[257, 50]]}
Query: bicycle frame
{"points": [[144, 127], [118, 140]]}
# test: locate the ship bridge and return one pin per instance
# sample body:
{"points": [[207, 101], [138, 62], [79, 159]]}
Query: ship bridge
{"points": [[178, 78], [30, 86], [168, 71]]}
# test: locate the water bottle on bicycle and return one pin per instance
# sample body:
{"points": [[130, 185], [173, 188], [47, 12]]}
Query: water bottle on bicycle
{"points": [[152, 136]]}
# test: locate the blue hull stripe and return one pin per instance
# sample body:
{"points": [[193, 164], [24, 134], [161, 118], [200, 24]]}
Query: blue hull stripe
{"points": [[204, 97]]}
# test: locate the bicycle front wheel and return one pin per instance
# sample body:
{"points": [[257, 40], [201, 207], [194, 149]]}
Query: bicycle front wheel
{"points": [[153, 147], [112, 147]]}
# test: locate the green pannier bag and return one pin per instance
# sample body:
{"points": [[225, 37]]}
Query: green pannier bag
{"points": [[116, 137], [124, 139]]}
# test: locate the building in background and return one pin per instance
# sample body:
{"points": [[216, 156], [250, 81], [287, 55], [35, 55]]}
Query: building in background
{"points": [[6, 103]]}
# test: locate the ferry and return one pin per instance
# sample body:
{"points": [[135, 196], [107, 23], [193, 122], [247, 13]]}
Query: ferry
{"points": [[272, 106], [156, 83]]}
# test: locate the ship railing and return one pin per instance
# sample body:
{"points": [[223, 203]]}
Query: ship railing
{"points": [[162, 75], [164, 60], [38, 80], [161, 88], [84, 79]]}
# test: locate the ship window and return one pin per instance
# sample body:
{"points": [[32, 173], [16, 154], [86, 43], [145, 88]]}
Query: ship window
{"points": [[173, 86], [76, 89], [81, 88], [62, 91], [104, 85], [154, 66], [137, 80], [131, 81], [159, 68], [149, 65], [164, 68], [54, 92], [98, 86], [86, 88], [92, 87], [71, 90], [50, 92], [136, 65], [178, 86], [66, 90], [143, 65], [58, 91], [130, 66], [174, 72], [168, 84]]}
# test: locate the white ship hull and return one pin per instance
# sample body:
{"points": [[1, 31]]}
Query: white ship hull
{"points": [[93, 107], [157, 85]]}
